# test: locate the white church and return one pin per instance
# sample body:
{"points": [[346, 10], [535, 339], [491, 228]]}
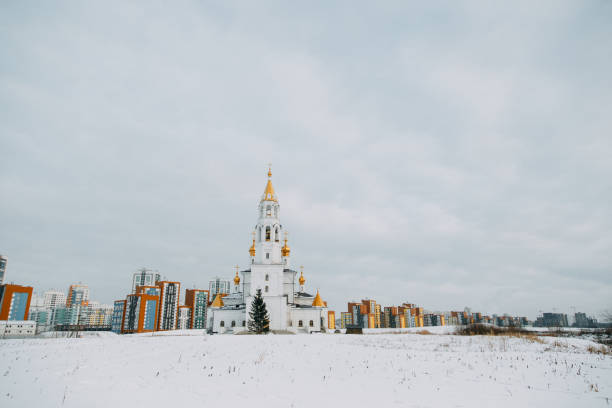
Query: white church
{"points": [[289, 309]]}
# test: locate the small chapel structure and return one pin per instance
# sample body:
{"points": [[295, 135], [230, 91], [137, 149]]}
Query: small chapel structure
{"points": [[289, 306]]}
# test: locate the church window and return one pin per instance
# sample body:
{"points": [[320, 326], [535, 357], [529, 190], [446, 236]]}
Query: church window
{"points": [[311, 323], [243, 323], [267, 233], [222, 323], [300, 324], [266, 288], [233, 323], [267, 277], [268, 210], [276, 234], [267, 255]]}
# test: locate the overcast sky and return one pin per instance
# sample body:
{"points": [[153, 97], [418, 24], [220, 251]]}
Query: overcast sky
{"points": [[450, 155]]}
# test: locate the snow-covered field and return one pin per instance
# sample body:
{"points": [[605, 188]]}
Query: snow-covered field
{"points": [[389, 370]]}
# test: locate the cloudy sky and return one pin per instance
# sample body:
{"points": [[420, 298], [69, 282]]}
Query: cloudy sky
{"points": [[450, 155]]}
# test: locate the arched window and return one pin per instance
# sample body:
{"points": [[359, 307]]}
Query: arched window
{"points": [[266, 288], [268, 210], [276, 235], [311, 323], [300, 324], [233, 323], [267, 233], [222, 324], [267, 277], [243, 323]]}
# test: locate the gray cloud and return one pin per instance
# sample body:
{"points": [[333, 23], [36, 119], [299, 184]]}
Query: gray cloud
{"points": [[448, 156]]}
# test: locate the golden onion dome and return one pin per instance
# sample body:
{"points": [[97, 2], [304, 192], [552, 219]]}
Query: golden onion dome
{"points": [[252, 248], [236, 279], [302, 279], [285, 250]]}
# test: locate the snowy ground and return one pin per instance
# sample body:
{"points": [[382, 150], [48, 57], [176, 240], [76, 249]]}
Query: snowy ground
{"points": [[402, 370]]}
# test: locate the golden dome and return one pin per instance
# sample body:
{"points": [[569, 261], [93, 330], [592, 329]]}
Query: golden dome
{"points": [[236, 279], [302, 279], [285, 250], [318, 302], [269, 194], [218, 302], [252, 248]]}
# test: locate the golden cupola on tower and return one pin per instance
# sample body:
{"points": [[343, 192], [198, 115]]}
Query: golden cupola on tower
{"points": [[269, 194], [302, 280], [285, 250], [252, 248], [236, 278]]}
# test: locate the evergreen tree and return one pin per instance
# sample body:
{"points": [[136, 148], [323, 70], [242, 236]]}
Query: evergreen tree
{"points": [[260, 321]]}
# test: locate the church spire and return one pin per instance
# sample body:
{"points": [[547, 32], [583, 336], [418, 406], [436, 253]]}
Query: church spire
{"points": [[269, 194], [318, 302]]}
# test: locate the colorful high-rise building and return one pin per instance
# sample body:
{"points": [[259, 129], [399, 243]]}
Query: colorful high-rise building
{"points": [[331, 320], [144, 277], [218, 285], [168, 305], [15, 302], [3, 261], [140, 313], [53, 299], [198, 300], [148, 290], [118, 312], [184, 317], [346, 319], [78, 294]]}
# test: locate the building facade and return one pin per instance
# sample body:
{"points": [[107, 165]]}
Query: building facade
{"points": [[140, 313], [3, 261], [144, 277], [15, 302], [78, 294], [53, 299], [168, 305], [218, 285], [197, 300], [290, 308], [184, 318], [118, 314], [17, 328]]}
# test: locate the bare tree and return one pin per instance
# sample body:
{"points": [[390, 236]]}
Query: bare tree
{"points": [[607, 315]]}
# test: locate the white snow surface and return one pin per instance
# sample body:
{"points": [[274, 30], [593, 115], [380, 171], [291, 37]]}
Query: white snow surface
{"points": [[324, 370]]}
